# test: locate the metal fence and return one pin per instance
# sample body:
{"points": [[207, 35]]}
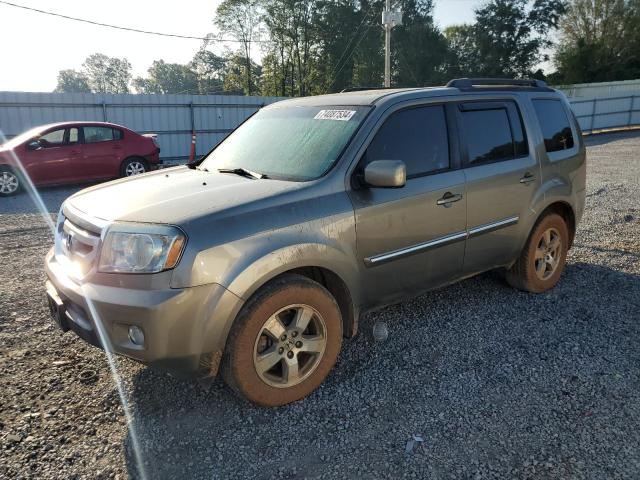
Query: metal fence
{"points": [[604, 113], [601, 89], [212, 117], [171, 117]]}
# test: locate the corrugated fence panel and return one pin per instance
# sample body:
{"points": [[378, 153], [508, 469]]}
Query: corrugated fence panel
{"points": [[603, 113], [602, 89], [171, 117]]}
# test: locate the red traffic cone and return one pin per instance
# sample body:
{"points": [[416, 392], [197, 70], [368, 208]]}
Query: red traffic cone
{"points": [[192, 153]]}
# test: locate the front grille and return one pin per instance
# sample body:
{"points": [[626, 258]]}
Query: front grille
{"points": [[75, 247]]}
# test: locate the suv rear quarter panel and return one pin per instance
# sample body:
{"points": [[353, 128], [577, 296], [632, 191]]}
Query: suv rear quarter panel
{"points": [[562, 173]]}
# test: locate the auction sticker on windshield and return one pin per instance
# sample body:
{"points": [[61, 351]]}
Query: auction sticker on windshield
{"points": [[342, 115]]}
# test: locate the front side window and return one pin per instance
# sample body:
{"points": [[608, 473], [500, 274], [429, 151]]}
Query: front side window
{"points": [[554, 124], [417, 136], [51, 139], [97, 134], [493, 131], [294, 143]]}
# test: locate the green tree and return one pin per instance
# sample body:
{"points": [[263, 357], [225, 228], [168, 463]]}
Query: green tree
{"points": [[106, 74], [168, 78], [234, 76], [508, 38], [462, 54], [209, 69], [599, 41], [350, 55], [419, 47], [72, 81], [241, 20]]}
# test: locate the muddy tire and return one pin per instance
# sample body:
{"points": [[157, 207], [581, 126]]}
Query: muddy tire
{"points": [[543, 257], [284, 342]]}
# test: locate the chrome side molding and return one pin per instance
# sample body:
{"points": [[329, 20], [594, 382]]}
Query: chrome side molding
{"points": [[421, 247], [490, 227], [439, 242]]}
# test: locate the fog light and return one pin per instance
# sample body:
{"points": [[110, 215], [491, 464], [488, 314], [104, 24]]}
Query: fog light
{"points": [[136, 335]]}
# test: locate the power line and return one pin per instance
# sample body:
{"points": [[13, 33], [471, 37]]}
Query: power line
{"points": [[364, 34], [336, 71], [117, 27]]}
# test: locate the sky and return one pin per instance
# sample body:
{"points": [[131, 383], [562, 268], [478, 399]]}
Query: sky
{"points": [[34, 47]]}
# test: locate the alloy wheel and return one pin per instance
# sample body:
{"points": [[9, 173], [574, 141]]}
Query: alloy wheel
{"points": [[9, 183], [548, 253], [290, 345], [134, 168]]}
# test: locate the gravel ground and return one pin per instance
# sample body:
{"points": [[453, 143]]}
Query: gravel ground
{"points": [[498, 383]]}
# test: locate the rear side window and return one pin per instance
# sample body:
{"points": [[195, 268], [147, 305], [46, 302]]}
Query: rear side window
{"points": [[417, 136], [554, 124], [73, 135], [97, 134], [493, 131], [117, 134]]}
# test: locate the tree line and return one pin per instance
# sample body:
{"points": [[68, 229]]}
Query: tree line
{"points": [[309, 47]]}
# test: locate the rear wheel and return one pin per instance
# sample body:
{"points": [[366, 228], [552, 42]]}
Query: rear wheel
{"points": [[542, 260], [284, 343], [10, 183], [133, 166]]}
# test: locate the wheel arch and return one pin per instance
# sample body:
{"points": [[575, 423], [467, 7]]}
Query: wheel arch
{"points": [[317, 262]]}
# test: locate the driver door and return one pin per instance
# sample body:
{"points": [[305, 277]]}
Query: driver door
{"points": [[52, 162], [411, 239]]}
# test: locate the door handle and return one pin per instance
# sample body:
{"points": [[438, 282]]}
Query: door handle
{"points": [[74, 152], [448, 198], [528, 178]]}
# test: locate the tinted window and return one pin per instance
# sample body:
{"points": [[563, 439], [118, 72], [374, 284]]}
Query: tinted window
{"points": [[52, 139], [117, 134], [488, 135], [554, 125], [97, 134], [417, 136]]}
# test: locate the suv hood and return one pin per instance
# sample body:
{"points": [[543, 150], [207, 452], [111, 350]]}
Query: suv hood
{"points": [[174, 196]]}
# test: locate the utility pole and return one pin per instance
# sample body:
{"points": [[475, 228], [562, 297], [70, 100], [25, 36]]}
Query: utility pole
{"points": [[390, 19]]}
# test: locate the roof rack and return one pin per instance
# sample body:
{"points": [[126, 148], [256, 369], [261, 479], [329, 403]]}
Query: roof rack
{"points": [[470, 83]]}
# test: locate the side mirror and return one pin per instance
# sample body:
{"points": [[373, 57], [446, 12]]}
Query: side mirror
{"points": [[33, 145], [385, 174]]}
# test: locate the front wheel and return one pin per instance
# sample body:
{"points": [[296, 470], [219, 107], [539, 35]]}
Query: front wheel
{"points": [[543, 258], [133, 166], [10, 183], [284, 343]]}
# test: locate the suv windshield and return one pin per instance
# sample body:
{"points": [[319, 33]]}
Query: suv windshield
{"points": [[296, 143]]}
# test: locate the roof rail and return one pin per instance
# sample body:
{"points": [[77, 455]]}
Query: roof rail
{"points": [[469, 83], [360, 89]]}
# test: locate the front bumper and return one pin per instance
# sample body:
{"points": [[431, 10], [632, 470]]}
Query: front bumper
{"points": [[181, 326]]}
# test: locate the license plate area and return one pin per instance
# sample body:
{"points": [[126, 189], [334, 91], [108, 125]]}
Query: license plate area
{"points": [[56, 308]]}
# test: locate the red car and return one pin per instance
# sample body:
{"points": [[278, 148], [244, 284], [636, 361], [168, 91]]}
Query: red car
{"points": [[75, 152]]}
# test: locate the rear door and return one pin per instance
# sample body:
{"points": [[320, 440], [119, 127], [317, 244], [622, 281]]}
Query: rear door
{"points": [[409, 239], [102, 151], [502, 176]]}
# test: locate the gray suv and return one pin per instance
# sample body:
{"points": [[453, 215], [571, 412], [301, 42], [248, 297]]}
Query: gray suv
{"points": [[258, 259]]}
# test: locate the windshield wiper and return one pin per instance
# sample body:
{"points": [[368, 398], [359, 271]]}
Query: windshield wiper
{"points": [[243, 172]]}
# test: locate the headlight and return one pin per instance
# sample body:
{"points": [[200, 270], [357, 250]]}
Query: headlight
{"points": [[140, 248]]}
